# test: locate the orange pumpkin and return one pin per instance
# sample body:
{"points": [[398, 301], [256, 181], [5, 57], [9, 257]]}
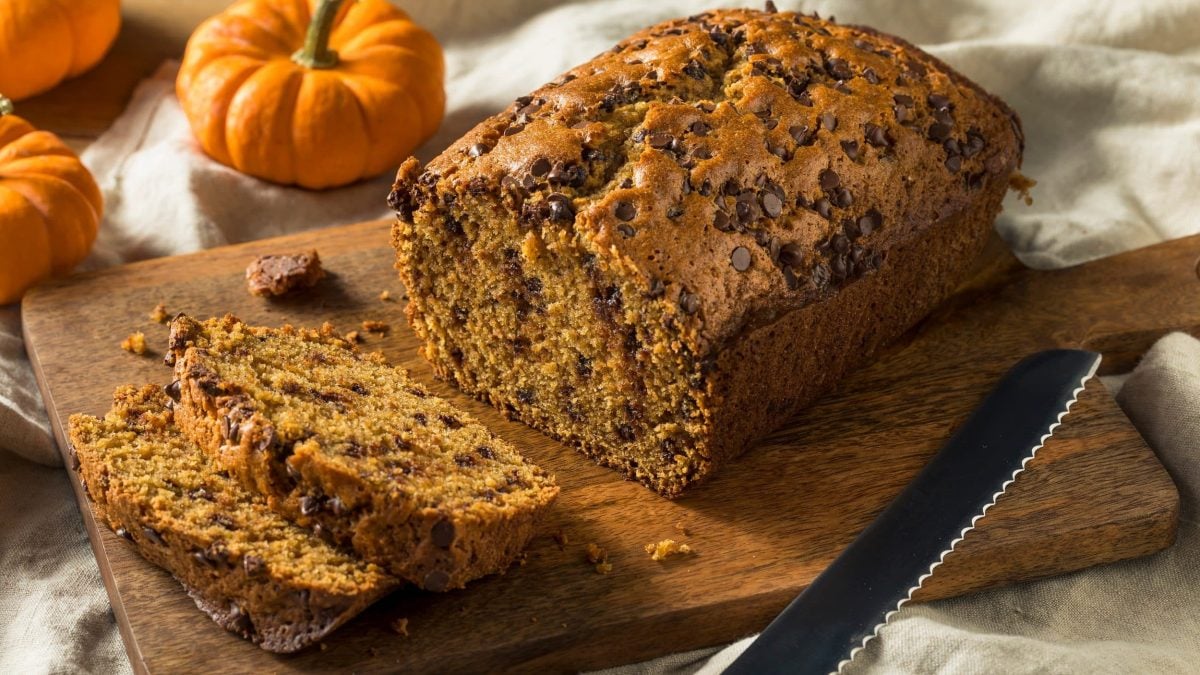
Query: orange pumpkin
{"points": [[43, 42], [311, 93], [50, 206]]}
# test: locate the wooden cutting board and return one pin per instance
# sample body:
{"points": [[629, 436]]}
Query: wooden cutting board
{"points": [[762, 529]]}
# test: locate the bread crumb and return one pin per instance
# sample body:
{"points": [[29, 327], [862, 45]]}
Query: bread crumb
{"points": [[1021, 184], [376, 326], [596, 554], [135, 343], [665, 549], [399, 626], [561, 539], [353, 337], [324, 647], [385, 296], [533, 619], [159, 315], [372, 651], [276, 275], [603, 568], [682, 529]]}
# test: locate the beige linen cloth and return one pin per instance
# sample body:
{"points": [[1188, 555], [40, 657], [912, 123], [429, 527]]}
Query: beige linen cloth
{"points": [[1110, 95]]}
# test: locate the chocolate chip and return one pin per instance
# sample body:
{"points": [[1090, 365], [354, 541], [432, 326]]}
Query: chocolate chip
{"points": [[877, 136], [954, 163], [695, 70], [821, 275], [770, 8], [450, 421], [253, 565], [975, 143], [540, 167], [829, 179], [828, 121], [771, 205], [842, 197], [442, 533], [625, 211], [700, 128], [870, 76], [485, 452], [200, 557], [688, 302], [840, 243], [791, 255], [560, 208], [174, 390], [478, 149], [626, 230], [938, 101], [153, 536], [464, 461], [870, 222], [951, 147], [938, 131], [525, 396], [903, 99], [124, 534], [359, 389], [309, 504], [514, 129], [902, 114], [740, 258], [839, 69], [851, 149], [674, 211], [658, 288], [660, 140], [824, 207], [722, 222], [801, 135], [838, 267], [436, 581]]}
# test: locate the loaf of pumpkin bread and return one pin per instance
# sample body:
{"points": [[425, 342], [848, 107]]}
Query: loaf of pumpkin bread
{"points": [[664, 253], [343, 443], [249, 569]]}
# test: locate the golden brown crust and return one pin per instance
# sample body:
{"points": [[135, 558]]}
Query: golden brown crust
{"points": [[345, 444], [715, 179], [252, 572]]}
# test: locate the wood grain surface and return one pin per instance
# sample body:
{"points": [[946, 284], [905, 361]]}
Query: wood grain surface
{"points": [[762, 529]]}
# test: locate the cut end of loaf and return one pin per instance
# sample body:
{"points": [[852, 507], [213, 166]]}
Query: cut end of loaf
{"points": [[346, 444]]}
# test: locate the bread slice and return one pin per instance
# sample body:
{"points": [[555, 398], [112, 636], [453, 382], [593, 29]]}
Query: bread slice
{"points": [[343, 443], [253, 572]]}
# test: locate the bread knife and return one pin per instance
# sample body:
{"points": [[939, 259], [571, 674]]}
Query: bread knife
{"points": [[847, 604]]}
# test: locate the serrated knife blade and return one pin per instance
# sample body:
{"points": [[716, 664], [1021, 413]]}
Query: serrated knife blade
{"points": [[847, 604]]}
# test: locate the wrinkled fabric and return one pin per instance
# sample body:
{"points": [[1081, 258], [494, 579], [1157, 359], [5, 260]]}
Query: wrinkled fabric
{"points": [[1108, 95]]}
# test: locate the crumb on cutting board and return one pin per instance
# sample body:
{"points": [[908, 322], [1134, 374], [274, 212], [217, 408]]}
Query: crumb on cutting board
{"points": [[385, 295], [561, 538], [135, 343], [666, 548], [682, 529], [598, 557], [399, 626], [159, 314], [352, 337], [372, 326], [276, 275]]}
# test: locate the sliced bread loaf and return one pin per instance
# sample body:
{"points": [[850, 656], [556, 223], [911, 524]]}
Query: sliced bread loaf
{"points": [[253, 572], [343, 443]]}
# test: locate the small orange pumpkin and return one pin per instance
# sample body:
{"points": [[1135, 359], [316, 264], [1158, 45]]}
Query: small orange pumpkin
{"points": [[311, 93], [50, 206], [43, 42]]}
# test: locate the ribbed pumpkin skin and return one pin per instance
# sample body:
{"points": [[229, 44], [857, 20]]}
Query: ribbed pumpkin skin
{"points": [[50, 207], [43, 42], [254, 109]]}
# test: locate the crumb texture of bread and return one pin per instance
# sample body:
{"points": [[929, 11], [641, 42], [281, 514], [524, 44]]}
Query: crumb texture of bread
{"points": [[345, 444], [276, 275], [667, 251], [253, 572]]}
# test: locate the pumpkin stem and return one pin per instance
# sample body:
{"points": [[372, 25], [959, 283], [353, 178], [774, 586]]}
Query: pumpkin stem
{"points": [[6, 106], [316, 52]]}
